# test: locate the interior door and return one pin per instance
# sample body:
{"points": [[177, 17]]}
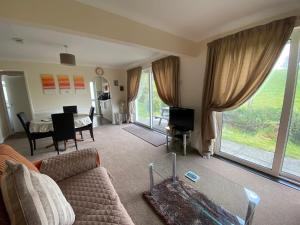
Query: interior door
{"points": [[7, 105], [16, 97]]}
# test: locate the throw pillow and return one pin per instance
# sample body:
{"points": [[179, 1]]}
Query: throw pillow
{"points": [[33, 198]]}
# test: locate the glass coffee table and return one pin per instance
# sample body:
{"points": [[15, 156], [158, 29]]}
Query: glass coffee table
{"points": [[211, 200]]}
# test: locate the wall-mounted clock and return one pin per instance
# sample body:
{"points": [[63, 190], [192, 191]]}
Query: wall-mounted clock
{"points": [[99, 71]]}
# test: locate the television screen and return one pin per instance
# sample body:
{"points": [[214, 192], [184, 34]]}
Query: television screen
{"points": [[181, 118]]}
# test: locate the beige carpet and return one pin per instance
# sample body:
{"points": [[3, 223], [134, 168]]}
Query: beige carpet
{"points": [[127, 157]]}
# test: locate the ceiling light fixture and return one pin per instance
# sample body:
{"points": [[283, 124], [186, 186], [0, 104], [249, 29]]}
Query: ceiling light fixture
{"points": [[67, 58]]}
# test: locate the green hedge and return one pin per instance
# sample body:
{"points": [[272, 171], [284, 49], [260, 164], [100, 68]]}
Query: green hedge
{"points": [[261, 120]]}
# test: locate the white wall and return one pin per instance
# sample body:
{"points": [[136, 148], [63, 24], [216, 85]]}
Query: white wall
{"points": [[191, 87], [46, 104]]}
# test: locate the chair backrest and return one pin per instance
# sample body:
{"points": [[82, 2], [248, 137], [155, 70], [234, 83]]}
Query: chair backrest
{"points": [[24, 121], [91, 114], [70, 109], [63, 126]]}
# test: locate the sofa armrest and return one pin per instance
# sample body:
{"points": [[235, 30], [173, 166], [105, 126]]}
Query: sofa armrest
{"points": [[66, 165], [37, 163]]}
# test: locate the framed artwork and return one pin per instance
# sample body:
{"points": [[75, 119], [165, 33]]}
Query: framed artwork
{"points": [[116, 82], [121, 88], [48, 83], [64, 84], [79, 83]]}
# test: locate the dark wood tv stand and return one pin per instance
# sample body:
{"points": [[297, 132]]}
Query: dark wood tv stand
{"points": [[175, 133]]}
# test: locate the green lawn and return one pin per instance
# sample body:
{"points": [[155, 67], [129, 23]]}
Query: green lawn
{"points": [[272, 91], [256, 122]]}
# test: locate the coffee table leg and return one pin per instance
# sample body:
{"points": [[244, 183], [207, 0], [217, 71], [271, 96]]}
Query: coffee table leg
{"points": [[254, 199], [151, 177], [167, 139], [184, 144], [250, 213], [174, 166]]}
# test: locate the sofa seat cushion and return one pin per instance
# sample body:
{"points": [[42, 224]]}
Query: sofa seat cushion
{"points": [[94, 199]]}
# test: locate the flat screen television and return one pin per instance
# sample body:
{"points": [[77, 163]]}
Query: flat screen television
{"points": [[181, 118]]}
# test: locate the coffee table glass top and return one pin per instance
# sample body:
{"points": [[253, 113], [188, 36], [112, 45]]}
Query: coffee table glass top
{"points": [[237, 200]]}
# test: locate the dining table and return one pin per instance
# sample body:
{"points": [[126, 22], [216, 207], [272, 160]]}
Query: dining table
{"points": [[40, 125]]}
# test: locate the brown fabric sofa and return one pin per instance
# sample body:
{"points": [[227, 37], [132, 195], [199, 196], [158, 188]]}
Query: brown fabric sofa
{"points": [[85, 184]]}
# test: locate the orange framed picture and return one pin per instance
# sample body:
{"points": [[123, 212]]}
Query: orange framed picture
{"points": [[64, 84], [79, 83], [48, 83]]}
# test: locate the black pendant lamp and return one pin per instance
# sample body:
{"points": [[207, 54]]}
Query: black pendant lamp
{"points": [[67, 58]]}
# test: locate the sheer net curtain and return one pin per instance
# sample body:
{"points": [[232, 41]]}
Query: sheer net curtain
{"points": [[133, 83], [236, 67]]}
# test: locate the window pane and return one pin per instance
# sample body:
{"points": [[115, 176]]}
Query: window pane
{"points": [[250, 132], [92, 90], [291, 163], [94, 104]]}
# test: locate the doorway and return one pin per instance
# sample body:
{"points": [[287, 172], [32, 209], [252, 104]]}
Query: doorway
{"points": [[16, 99], [101, 99]]}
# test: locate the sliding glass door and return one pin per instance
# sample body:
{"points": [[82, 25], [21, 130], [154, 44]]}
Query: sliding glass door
{"points": [[291, 162], [151, 111], [264, 132], [142, 102], [250, 132], [160, 110]]}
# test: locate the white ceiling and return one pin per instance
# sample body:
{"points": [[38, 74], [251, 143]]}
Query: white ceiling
{"points": [[196, 19], [45, 45]]}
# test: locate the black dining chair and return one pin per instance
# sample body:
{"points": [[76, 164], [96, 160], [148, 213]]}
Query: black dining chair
{"points": [[89, 126], [63, 129], [32, 137], [70, 109]]}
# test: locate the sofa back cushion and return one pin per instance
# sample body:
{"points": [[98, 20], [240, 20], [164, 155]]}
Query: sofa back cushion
{"points": [[33, 198], [70, 164]]}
